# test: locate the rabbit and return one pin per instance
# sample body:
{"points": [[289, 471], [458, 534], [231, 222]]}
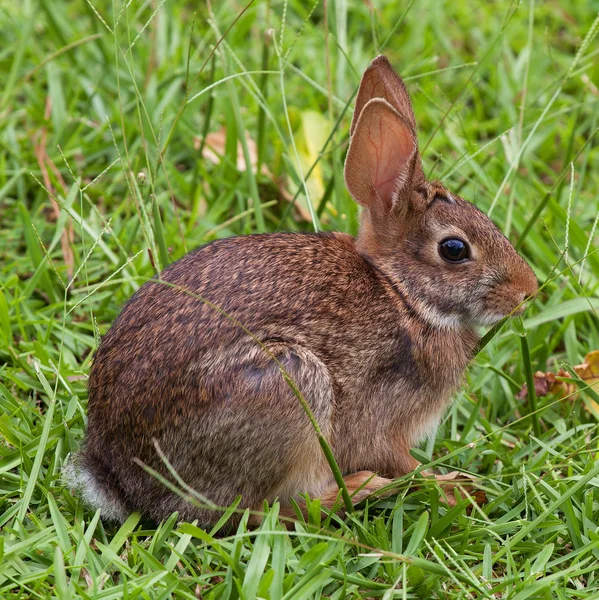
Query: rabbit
{"points": [[375, 331]]}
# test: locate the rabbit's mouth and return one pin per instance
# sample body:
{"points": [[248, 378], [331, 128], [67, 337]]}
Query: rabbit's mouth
{"points": [[519, 310], [493, 314]]}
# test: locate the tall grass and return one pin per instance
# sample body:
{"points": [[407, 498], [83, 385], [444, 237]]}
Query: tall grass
{"points": [[108, 111]]}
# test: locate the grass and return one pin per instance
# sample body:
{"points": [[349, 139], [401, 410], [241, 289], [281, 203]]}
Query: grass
{"points": [[104, 181]]}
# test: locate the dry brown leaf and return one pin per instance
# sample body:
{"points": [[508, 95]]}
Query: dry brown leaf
{"points": [[549, 383], [448, 482], [214, 150], [87, 577], [544, 384], [44, 161]]}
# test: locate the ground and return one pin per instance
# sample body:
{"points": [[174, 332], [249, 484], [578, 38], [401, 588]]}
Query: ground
{"points": [[126, 130]]}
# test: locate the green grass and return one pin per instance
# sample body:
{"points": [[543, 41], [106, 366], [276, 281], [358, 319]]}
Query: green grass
{"points": [[103, 107]]}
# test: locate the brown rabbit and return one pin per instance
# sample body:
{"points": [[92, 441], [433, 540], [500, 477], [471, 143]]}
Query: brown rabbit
{"points": [[376, 333]]}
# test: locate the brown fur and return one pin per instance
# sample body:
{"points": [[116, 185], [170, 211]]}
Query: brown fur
{"points": [[375, 332]]}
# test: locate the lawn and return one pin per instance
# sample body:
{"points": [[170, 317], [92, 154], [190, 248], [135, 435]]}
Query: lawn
{"points": [[132, 132]]}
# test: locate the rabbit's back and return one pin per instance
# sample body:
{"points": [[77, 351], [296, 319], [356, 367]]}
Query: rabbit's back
{"points": [[309, 289]]}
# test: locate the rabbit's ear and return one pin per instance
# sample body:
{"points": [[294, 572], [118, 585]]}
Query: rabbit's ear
{"points": [[381, 81], [383, 158]]}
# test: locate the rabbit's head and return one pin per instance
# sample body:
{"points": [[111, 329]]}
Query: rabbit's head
{"points": [[453, 262]]}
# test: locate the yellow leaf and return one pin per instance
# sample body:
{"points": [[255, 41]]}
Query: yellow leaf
{"points": [[588, 371], [310, 138]]}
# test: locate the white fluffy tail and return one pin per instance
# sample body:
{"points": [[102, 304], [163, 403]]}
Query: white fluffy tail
{"points": [[96, 495]]}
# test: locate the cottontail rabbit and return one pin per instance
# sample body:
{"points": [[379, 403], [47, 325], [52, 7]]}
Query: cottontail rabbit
{"points": [[375, 331]]}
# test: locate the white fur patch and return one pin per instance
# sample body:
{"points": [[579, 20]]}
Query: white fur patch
{"points": [[81, 480], [437, 318], [427, 428]]}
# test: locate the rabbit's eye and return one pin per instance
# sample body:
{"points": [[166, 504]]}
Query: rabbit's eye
{"points": [[454, 250]]}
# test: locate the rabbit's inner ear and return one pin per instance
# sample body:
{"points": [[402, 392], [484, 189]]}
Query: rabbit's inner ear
{"points": [[381, 81], [382, 157]]}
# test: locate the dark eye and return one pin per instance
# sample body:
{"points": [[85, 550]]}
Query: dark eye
{"points": [[454, 250]]}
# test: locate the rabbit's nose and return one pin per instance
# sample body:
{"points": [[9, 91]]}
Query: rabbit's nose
{"points": [[526, 283], [531, 287], [531, 284]]}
